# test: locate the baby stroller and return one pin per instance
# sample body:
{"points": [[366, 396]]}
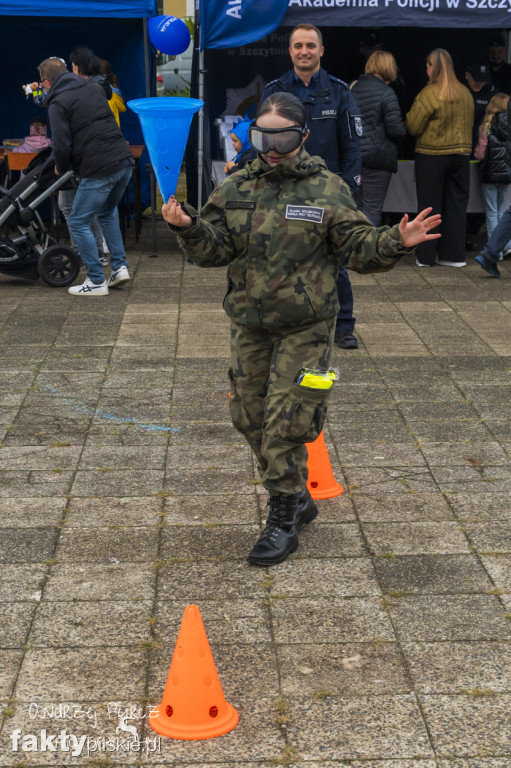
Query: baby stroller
{"points": [[32, 253]]}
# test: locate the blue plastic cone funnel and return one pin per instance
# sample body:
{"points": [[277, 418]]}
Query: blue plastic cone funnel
{"points": [[165, 122]]}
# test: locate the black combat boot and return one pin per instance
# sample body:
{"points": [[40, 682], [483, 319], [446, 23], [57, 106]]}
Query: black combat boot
{"points": [[280, 536], [307, 510]]}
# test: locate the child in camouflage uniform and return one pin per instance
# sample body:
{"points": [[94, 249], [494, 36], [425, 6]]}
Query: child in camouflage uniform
{"points": [[283, 225]]}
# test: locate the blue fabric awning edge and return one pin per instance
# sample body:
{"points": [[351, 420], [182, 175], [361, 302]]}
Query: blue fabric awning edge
{"points": [[92, 9]]}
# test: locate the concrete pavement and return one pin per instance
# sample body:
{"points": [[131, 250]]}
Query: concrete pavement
{"points": [[125, 494]]}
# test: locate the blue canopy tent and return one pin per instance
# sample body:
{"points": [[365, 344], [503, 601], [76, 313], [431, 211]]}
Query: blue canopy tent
{"points": [[31, 31]]}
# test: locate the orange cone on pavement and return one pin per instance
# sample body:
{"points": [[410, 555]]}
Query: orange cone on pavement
{"points": [[193, 704], [321, 482]]}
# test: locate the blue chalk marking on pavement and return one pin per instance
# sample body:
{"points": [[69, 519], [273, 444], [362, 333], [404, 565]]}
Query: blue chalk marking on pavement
{"points": [[110, 416]]}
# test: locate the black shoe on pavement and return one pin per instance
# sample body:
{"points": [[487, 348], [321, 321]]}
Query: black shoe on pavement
{"points": [[346, 340], [285, 516], [488, 265]]}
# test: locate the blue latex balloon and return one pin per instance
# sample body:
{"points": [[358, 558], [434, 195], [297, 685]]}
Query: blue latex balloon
{"points": [[168, 34]]}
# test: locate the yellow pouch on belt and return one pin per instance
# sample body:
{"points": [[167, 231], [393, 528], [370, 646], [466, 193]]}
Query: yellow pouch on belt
{"points": [[314, 379]]}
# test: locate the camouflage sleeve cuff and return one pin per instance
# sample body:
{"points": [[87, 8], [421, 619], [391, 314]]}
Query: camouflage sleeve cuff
{"points": [[391, 245], [184, 231]]}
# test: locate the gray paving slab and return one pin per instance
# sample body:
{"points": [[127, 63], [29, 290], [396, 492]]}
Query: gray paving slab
{"points": [[22, 581], [499, 570], [114, 511], [108, 582], [331, 620], [485, 762], [431, 574], [368, 727], [459, 725], [27, 545], [126, 494], [91, 624], [407, 506], [15, 621], [449, 618], [474, 668], [490, 505], [327, 670], [10, 661], [108, 545], [29, 512], [415, 538]]}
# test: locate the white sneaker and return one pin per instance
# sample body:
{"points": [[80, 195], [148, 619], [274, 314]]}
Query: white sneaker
{"points": [[88, 288], [444, 263], [418, 264], [119, 277]]}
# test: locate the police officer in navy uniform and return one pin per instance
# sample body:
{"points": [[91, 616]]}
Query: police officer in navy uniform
{"points": [[335, 126]]}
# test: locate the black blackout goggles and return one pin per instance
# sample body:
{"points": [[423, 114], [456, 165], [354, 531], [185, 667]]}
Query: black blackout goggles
{"points": [[281, 140]]}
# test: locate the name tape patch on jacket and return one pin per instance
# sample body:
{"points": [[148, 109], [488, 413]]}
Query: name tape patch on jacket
{"points": [[240, 205], [305, 213]]}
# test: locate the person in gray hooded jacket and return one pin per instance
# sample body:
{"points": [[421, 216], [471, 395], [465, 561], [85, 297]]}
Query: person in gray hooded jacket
{"points": [[383, 128]]}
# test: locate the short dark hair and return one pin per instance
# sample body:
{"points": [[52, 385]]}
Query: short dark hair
{"points": [[496, 41], [286, 105], [309, 27], [51, 68], [86, 61]]}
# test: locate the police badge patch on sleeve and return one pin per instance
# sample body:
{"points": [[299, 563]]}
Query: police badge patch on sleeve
{"points": [[358, 125]]}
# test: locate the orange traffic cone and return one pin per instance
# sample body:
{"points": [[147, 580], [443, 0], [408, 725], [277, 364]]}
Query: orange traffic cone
{"points": [[193, 704], [321, 482]]}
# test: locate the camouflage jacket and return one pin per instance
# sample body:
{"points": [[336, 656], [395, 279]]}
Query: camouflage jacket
{"points": [[284, 232]]}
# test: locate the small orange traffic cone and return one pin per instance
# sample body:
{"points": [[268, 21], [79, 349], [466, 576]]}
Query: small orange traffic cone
{"points": [[193, 704], [321, 482]]}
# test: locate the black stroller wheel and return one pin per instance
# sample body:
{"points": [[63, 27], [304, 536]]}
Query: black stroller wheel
{"points": [[59, 265]]}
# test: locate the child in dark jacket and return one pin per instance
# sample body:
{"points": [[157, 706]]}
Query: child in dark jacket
{"points": [[494, 171]]}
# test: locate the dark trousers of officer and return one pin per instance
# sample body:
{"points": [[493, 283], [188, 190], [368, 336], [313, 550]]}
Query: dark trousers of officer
{"points": [[345, 320], [275, 415], [443, 183]]}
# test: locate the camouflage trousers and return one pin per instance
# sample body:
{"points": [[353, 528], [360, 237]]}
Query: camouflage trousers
{"points": [[275, 415]]}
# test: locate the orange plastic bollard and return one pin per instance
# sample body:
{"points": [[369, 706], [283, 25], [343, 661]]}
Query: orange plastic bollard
{"points": [[193, 704], [321, 482]]}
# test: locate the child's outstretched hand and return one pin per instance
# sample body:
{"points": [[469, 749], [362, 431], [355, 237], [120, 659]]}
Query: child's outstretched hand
{"points": [[174, 214], [416, 231]]}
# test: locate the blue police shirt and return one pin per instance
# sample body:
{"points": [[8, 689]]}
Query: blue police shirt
{"points": [[333, 119]]}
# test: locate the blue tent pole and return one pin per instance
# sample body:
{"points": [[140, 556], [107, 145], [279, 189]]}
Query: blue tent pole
{"points": [[152, 179], [200, 138]]}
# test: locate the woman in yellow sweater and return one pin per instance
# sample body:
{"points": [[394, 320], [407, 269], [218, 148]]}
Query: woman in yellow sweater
{"points": [[441, 119]]}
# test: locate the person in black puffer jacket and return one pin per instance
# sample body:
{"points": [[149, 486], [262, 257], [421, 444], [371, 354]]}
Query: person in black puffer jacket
{"points": [[382, 128], [494, 169], [86, 139], [499, 244]]}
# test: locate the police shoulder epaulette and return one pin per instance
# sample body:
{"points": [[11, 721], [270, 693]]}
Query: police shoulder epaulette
{"points": [[272, 82], [341, 82]]}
